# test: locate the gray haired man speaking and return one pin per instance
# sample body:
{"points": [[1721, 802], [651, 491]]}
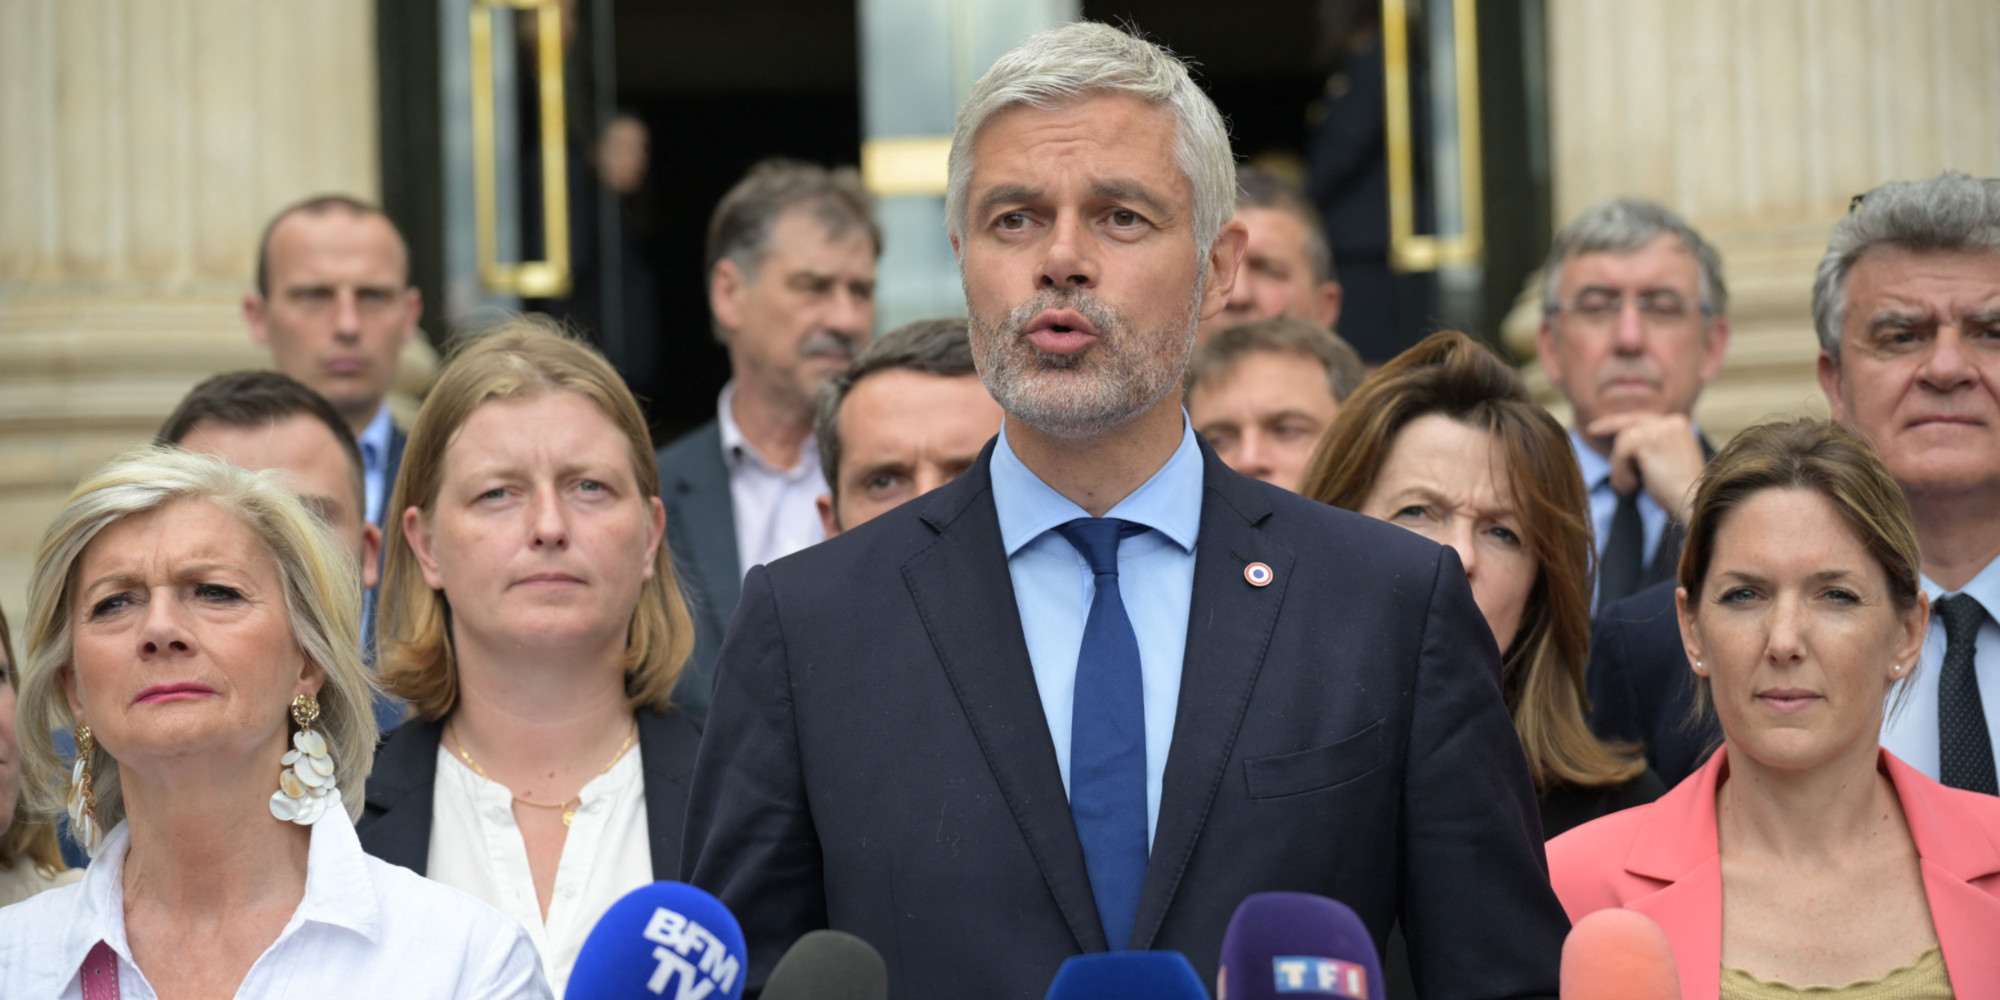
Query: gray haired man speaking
{"points": [[1097, 689]]}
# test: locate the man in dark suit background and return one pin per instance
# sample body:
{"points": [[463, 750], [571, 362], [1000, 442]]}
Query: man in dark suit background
{"points": [[1099, 688], [1635, 323], [791, 288]]}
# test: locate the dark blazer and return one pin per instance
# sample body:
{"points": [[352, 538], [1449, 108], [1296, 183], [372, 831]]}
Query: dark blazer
{"points": [[1640, 685], [389, 709], [877, 760], [396, 818], [701, 533], [398, 438]]}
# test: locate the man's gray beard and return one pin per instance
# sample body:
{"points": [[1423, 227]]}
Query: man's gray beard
{"points": [[1079, 396]]}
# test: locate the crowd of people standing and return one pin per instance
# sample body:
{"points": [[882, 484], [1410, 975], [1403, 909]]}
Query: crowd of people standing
{"points": [[1058, 628]]}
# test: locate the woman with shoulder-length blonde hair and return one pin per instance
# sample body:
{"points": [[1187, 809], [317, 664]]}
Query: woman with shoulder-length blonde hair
{"points": [[30, 859], [529, 615], [1446, 441], [193, 624]]}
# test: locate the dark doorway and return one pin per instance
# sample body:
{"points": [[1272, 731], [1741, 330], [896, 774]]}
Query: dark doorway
{"points": [[721, 86]]}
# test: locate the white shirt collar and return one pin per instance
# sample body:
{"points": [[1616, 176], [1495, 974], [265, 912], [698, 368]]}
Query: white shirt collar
{"points": [[737, 449], [339, 891], [374, 440]]}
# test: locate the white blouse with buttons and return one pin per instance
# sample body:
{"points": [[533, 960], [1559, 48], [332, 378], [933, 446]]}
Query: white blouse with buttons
{"points": [[476, 846]]}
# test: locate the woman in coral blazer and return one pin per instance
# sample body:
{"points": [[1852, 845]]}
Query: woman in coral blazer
{"points": [[1802, 854]]}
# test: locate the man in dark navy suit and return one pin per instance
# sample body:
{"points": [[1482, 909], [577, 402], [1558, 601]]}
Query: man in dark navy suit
{"points": [[1099, 688]]}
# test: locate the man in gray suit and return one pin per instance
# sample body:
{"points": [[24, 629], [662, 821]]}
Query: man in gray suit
{"points": [[791, 287]]}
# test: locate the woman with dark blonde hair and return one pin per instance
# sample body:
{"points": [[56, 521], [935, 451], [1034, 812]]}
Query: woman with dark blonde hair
{"points": [[1446, 441], [1802, 858], [530, 617], [30, 858]]}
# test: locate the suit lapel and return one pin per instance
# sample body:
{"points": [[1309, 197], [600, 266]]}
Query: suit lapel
{"points": [[1230, 623], [708, 521], [1957, 851], [396, 822], [1689, 910], [965, 598]]}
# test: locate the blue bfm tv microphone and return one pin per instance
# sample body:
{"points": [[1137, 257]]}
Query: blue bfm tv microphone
{"points": [[668, 940], [1283, 945], [1127, 975]]}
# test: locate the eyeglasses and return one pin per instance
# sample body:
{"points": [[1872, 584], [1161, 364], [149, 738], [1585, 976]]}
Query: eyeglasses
{"points": [[1658, 307]]}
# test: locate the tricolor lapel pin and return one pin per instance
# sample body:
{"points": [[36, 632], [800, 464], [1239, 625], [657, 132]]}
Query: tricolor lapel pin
{"points": [[1258, 574]]}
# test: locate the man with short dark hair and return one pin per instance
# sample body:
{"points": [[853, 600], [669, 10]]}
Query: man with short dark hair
{"points": [[906, 417], [791, 290], [1287, 268], [1263, 393], [1099, 688], [1907, 307], [334, 306]]}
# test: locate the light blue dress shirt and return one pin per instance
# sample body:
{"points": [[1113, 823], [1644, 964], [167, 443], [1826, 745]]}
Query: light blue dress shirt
{"points": [[1053, 588], [374, 443], [1604, 500], [1912, 732]]}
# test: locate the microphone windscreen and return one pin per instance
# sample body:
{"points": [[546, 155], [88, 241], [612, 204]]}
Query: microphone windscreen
{"points": [[668, 939], [1127, 975], [1621, 954], [829, 965], [1296, 944]]}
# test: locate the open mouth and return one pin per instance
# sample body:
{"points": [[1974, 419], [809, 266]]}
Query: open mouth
{"points": [[1060, 331]]}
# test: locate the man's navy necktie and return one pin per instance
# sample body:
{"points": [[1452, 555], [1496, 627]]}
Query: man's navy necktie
{"points": [[1624, 552], [1965, 748], [1107, 748]]}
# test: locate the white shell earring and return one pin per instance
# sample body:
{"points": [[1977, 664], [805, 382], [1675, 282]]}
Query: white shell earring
{"points": [[305, 787], [82, 799]]}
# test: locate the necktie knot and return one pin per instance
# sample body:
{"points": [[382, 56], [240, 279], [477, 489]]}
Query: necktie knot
{"points": [[1961, 614], [1096, 538]]}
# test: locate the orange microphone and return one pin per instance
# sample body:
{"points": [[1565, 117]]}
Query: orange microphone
{"points": [[1618, 955]]}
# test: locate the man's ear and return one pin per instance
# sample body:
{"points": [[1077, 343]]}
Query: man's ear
{"points": [[725, 294], [256, 317], [828, 517], [1326, 304], [1545, 352], [1830, 384], [413, 313], [1714, 345], [1223, 258]]}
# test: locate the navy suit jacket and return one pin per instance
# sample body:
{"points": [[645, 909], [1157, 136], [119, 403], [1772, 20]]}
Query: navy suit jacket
{"points": [[1640, 685], [876, 758], [701, 534], [396, 818]]}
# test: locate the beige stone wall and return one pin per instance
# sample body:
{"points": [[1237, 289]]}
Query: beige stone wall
{"points": [[1759, 121], [143, 143]]}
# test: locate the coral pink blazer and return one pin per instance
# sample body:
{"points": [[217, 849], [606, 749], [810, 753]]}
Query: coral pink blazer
{"points": [[1661, 860]]}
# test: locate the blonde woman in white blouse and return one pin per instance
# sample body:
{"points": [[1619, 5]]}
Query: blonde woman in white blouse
{"points": [[529, 616], [191, 621]]}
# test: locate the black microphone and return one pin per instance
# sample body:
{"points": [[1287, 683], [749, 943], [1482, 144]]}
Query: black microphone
{"points": [[1296, 943], [829, 965]]}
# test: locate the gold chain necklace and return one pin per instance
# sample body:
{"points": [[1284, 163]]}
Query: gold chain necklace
{"points": [[575, 802]]}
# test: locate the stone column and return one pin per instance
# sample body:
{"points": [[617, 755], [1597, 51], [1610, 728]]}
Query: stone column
{"points": [[1758, 122], [143, 144]]}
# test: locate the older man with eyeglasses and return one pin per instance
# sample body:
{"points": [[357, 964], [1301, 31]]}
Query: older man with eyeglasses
{"points": [[1634, 325]]}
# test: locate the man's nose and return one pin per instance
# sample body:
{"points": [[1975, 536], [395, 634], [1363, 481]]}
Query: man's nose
{"points": [[1069, 259], [346, 313]]}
